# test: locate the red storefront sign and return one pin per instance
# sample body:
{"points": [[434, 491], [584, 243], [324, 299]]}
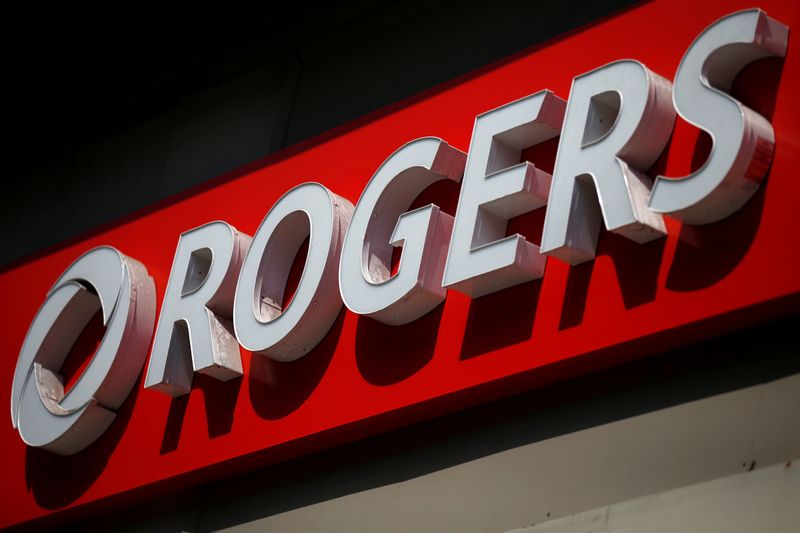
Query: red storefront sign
{"points": [[366, 377]]}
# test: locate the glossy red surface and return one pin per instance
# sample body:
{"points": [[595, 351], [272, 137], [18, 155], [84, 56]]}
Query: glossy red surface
{"points": [[365, 377]]}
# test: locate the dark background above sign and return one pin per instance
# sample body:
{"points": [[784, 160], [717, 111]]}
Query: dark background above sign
{"points": [[108, 118]]}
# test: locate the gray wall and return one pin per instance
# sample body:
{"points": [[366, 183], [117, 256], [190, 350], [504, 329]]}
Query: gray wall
{"points": [[667, 424]]}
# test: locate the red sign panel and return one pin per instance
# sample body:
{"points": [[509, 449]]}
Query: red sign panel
{"points": [[366, 377]]}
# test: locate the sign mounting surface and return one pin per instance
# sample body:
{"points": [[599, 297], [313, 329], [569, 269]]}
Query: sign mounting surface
{"points": [[365, 376]]}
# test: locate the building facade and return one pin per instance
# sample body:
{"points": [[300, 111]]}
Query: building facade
{"points": [[690, 424]]}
